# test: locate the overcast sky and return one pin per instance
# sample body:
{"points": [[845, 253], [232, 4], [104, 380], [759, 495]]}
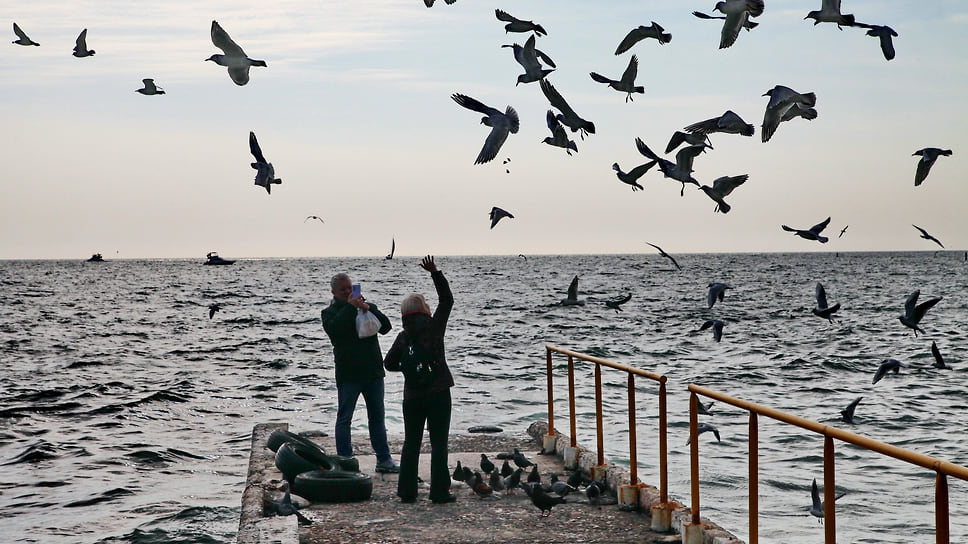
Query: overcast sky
{"points": [[354, 111]]}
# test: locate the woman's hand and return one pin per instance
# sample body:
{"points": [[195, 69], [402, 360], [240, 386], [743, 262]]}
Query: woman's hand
{"points": [[428, 264]]}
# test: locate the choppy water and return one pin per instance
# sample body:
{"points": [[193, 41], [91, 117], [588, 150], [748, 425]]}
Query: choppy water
{"points": [[125, 412]]}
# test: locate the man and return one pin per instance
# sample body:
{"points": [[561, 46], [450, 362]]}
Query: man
{"points": [[359, 370]]}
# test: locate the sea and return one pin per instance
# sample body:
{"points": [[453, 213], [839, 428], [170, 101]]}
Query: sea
{"points": [[126, 411]]}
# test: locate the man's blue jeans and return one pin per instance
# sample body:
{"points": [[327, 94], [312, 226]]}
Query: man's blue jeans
{"points": [[347, 394]]}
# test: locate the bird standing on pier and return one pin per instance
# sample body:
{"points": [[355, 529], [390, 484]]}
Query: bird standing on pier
{"points": [[506, 469], [496, 481], [512, 481], [544, 501], [534, 477], [594, 493], [486, 465]]}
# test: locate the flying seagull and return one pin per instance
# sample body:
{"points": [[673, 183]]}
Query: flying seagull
{"points": [[308, 217], [232, 57], [80, 46], [888, 365], [616, 304], [914, 312], [678, 138], [627, 83], [823, 309], [527, 57], [721, 188], [842, 231], [559, 138], [265, 175], [883, 33], [747, 24], [666, 255], [570, 300], [212, 308], [737, 14], [829, 12], [681, 170], [631, 177], [796, 111], [729, 122], [22, 38], [813, 233], [497, 214], [430, 3], [847, 414], [816, 507], [393, 247], [642, 32], [928, 156], [149, 88], [704, 427], [926, 236], [518, 25], [501, 124], [717, 327], [938, 359], [568, 117], [717, 291], [781, 100]]}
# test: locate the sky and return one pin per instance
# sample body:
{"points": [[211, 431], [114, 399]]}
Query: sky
{"points": [[354, 112]]}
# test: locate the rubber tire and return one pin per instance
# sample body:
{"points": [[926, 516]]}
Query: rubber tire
{"points": [[333, 486], [294, 457], [279, 437]]}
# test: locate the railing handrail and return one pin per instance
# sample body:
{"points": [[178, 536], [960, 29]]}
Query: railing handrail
{"points": [[618, 366]]}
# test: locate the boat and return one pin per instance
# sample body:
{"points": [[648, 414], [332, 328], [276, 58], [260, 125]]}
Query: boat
{"points": [[213, 258], [96, 258]]}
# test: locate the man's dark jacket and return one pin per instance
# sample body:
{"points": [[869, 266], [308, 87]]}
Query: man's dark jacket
{"points": [[357, 359]]}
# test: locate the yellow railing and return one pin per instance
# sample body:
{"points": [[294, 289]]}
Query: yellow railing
{"points": [[632, 372], [943, 469]]}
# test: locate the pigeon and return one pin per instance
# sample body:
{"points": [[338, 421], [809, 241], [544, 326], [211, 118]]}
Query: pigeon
{"points": [[926, 236], [721, 188], [150, 88], [285, 507], [486, 465], [559, 138], [717, 327], [781, 100], [80, 46], [480, 487], [679, 138], [534, 477], [22, 38], [430, 3], [888, 365], [544, 501], [497, 214], [842, 231], [829, 12], [883, 33], [512, 481], [938, 359], [570, 300], [928, 156], [594, 493], [681, 170], [232, 57], [568, 117], [212, 308], [813, 233], [816, 507], [519, 459], [729, 122], [703, 427], [632, 176], [737, 14], [747, 24], [640, 33], [717, 291], [666, 255], [458, 474], [527, 57], [308, 217], [627, 83], [914, 312], [575, 479], [265, 175], [616, 304], [847, 414], [560, 487], [496, 481], [506, 469], [517, 25], [501, 124], [823, 309]]}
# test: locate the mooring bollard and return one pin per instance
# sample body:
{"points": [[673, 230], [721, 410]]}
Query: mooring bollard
{"points": [[662, 518], [549, 444], [628, 497]]}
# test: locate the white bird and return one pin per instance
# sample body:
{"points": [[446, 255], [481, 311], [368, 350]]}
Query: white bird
{"points": [[717, 327], [527, 57], [308, 217], [823, 309], [232, 57], [80, 46], [813, 233], [627, 83], [829, 12], [150, 88], [883, 33], [888, 365], [721, 188], [558, 138], [640, 33], [501, 124], [928, 156], [717, 290], [914, 312], [632, 176], [265, 175], [737, 14], [22, 38], [729, 122], [568, 117], [681, 170], [497, 214], [781, 100]]}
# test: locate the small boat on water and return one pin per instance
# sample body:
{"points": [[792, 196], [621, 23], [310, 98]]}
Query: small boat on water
{"points": [[96, 258], [213, 258]]}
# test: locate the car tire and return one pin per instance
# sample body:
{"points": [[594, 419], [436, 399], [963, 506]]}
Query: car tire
{"points": [[333, 486], [279, 437]]}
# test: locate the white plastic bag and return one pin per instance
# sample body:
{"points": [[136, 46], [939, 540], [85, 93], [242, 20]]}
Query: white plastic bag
{"points": [[367, 324]]}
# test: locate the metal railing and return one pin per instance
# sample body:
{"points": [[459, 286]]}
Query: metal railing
{"points": [[632, 372], [943, 469]]}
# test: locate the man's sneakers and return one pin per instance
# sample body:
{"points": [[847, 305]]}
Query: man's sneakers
{"points": [[388, 467]]}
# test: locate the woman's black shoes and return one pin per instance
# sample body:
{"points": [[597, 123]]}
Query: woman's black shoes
{"points": [[450, 497]]}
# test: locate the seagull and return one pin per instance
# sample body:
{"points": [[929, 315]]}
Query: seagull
{"points": [[212, 308], [847, 414], [737, 14], [617, 303], [150, 88], [265, 175], [517, 25], [884, 33], [501, 124], [627, 83], [642, 32], [666, 255], [679, 137], [717, 327], [747, 24], [813, 233], [888, 365], [430, 3], [285, 507], [729, 122], [232, 57], [80, 47], [797, 111], [926, 236], [497, 214], [703, 427], [781, 100], [393, 247], [559, 138], [842, 231], [717, 291], [22, 38], [308, 217], [830, 13], [681, 170], [816, 507], [914, 312], [705, 409], [631, 177], [721, 188], [928, 156], [570, 300], [568, 117], [527, 57], [823, 309], [938, 359]]}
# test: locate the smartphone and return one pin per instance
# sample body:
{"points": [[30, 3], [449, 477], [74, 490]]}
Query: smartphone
{"points": [[356, 290]]}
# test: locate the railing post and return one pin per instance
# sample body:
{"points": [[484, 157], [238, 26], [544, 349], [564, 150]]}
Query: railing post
{"points": [[551, 397], [633, 454], [694, 454], [598, 414], [663, 447], [829, 492], [941, 509], [754, 479], [571, 401]]}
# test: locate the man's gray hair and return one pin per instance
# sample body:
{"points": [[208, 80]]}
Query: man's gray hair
{"points": [[338, 278]]}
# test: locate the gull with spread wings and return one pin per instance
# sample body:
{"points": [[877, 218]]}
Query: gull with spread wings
{"points": [[232, 57], [501, 124]]}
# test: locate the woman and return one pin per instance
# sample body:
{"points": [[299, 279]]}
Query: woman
{"points": [[418, 352]]}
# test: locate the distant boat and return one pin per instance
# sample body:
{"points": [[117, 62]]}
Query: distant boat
{"points": [[96, 258], [213, 258]]}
